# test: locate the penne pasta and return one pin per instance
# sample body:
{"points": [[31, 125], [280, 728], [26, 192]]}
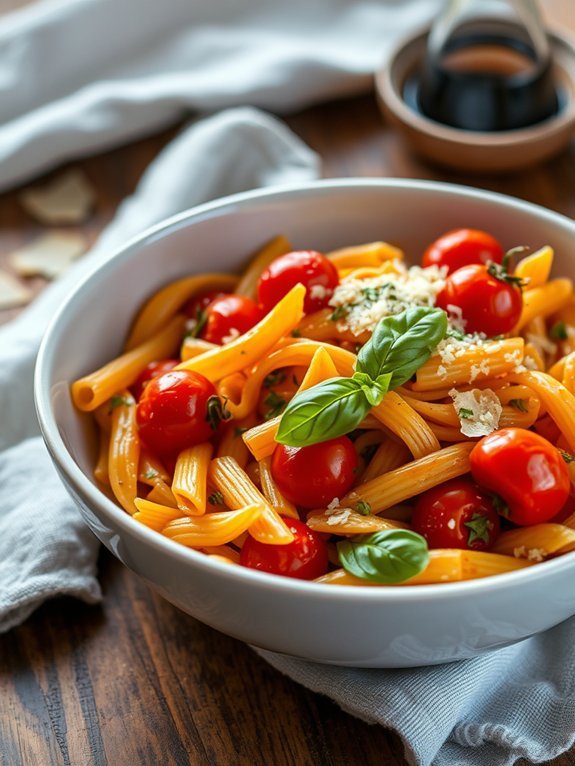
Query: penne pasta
{"points": [[381, 454]]}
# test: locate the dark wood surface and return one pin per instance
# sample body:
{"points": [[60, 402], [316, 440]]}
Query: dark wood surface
{"points": [[134, 680]]}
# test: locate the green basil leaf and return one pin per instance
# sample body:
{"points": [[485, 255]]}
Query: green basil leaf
{"points": [[401, 343], [374, 390], [385, 557], [330, 409]]}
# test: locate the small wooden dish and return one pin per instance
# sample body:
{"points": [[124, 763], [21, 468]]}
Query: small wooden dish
{"points": [[466, 150]]}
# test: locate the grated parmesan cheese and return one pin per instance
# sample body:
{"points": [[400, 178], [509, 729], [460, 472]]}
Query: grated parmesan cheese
{"points": [[318, 291], [333, 504], [478, 410], [340, 517], [366, 301]]}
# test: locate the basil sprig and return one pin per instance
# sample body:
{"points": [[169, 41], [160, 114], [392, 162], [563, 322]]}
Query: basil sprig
{"points": [[400, 344], [386, 557]]}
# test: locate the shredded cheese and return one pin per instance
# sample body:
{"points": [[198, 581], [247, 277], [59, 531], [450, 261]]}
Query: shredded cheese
{"points": [[363, 302]]}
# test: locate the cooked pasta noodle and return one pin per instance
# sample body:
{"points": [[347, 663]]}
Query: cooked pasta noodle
{"points": [[229, 495]]}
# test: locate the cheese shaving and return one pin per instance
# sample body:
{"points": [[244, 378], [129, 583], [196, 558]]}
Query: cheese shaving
{"points": [[12, 293], [49, 255], [478, 410], [68, 199]]}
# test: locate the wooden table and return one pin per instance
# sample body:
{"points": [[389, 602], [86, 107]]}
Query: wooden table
{"points": [[135, 681]]}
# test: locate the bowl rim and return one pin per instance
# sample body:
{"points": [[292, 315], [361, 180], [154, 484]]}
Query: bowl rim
{"points": [[94, 497]]}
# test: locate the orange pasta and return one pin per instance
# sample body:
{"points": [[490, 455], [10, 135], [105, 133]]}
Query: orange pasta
{"points": [[314, 443]]}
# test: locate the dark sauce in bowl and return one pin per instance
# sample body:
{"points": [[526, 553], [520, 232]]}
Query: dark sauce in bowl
{"points": [[484, 81]]}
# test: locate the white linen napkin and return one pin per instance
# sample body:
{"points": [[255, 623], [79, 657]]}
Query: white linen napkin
{"points": [[80, 75], [119, 79]]}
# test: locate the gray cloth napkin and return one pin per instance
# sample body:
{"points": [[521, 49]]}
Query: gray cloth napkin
{"points": [[119, 79]]}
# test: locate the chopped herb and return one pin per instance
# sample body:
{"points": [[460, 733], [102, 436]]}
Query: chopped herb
{"points": [[567, 457], [363, 507], [372, 294], [559, 331], [498, 337], [239, 430], [296, 333], [151, 473], [119, 401], [216, 498], [274, 378], [197, 324], [479, 528], [465, 413], [216, 412], [519, 404], [276, 404], [453, 333], [339, 313]]}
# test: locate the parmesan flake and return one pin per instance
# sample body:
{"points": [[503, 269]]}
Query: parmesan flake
{"points": [[479, 411]]}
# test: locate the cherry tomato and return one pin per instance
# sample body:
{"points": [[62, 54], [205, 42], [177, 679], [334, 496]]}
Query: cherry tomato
{"points": [[456, 514], [228, 317], [525, 470], [461, 247], [488, 303], [313, 476], [316, 272], [150, 371], [195, 307], [305, 558], [177, 410]]}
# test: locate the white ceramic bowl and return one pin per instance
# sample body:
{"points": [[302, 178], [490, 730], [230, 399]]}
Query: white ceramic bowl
{"points": [[368, 627]]}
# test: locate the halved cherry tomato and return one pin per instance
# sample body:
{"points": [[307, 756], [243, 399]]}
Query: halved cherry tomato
{"points": [[488, 303], [461, 247], [228, 316], [150, 371], [456, 514], [313, 476], [316, 272], [305, 558], [177, 410], [525, 470]]}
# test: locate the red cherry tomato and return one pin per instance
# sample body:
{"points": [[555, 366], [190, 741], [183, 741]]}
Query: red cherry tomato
{"points": [[488, 303], [461, 247], [177, 410], [228, 317], [150, 371], [525, 470], [195, 307], [313, 476], [456, 514], [316, 272], [305, 558]]}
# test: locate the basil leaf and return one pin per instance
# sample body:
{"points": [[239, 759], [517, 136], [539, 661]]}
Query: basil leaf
{"points": [[385, 557], [374, 390], [401, 343], [330, 409]]}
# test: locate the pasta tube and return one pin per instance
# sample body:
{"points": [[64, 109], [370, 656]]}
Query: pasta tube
{"points": [[163, 306], [246, 350], [92, 390], [239, 491], [411, 479]]}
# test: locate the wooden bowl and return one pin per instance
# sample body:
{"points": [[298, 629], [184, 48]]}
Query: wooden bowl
{"points": [[466, 150]]}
